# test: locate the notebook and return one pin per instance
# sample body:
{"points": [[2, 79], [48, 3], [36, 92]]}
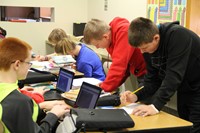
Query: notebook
{"points": [[64, 84], [87, 96]]}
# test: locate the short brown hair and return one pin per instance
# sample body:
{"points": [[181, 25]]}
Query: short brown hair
{"points": [[56, 35], [95, 29], [141, 30], [12, 49], [65, 45]]}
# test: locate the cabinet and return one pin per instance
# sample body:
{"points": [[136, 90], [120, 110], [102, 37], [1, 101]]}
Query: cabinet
{"points": [[193, 15]]}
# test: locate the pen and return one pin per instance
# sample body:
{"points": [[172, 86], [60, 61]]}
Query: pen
{"points": [[138, 89]]}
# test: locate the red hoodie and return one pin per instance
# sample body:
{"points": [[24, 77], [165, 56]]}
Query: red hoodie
{"points": [[125, 58]]}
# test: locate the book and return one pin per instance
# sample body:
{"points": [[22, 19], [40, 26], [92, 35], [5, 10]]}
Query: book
{"points": [[63, 59]]}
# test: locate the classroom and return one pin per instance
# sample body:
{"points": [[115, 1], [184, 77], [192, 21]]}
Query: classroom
{"points": [[65, 14]]}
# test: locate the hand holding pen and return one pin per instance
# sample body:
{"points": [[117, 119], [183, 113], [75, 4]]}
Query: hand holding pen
{"points": [[129, 97]]}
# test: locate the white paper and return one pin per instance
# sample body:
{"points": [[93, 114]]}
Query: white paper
{"points": [[78, 82], [129, 108]]}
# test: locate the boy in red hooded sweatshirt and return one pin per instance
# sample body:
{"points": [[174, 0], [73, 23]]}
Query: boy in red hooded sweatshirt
{"points": [[125, 59]]}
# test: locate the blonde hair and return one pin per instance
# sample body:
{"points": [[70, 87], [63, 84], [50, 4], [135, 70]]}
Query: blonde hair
{"points": [[95, 29], [65, 45], [56, 35]]}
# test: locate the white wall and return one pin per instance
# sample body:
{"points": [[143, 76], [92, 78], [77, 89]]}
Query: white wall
{"points": [[66, 12], [129, 9]]}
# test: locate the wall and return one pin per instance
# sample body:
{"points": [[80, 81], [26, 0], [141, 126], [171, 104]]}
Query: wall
{"points": [[66, 12], [129, 9]]}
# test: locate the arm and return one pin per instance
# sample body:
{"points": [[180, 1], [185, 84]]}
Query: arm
{"points": [[86, 69]]}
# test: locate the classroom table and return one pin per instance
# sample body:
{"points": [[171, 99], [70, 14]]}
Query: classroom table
{"points": [[160, 123], [77, 74], [37, 77]]}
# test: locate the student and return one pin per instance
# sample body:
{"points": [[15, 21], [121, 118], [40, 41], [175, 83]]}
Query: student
{"points": [[125, 59], [87, 61], [15, 57], [172, 56], [36, 94], [54, 37]]}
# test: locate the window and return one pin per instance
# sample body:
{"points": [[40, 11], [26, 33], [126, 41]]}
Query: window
{"points": [[26, 14]]}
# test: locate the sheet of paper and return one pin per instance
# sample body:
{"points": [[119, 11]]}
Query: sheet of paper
{"points": [[78, 82], [129, 108], [41, 65]]}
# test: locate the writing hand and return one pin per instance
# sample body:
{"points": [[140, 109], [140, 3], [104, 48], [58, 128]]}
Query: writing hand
{"points": [[127, 97]]}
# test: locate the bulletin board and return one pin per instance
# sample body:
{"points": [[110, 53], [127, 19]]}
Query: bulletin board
{"points": [[160, 11]]}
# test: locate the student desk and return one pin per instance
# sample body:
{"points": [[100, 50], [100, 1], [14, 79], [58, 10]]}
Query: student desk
{"points": [[160, 123], [35, 77], [76, 75]]}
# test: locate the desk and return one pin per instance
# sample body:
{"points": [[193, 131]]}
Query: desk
{"points": [[160, 123], [76, 75], [35, 77]]}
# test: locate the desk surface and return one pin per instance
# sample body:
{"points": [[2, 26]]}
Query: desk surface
{"points": [[77, 73], [160, 121]]}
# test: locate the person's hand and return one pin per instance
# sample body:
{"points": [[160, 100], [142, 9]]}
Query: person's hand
{"points": [[144, 110], [99, 84], [48, 105], [38, 58], [41, 58], [60, 110], [127, 97]]}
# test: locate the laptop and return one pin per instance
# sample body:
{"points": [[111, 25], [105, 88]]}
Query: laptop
{"points": [[87, 97], [64, 84]]}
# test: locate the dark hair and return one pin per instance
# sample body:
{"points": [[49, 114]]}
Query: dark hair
{"points": [[141, 30]]}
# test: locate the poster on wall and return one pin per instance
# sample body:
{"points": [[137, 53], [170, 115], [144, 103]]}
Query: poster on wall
{"points": [[160, 11]]}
